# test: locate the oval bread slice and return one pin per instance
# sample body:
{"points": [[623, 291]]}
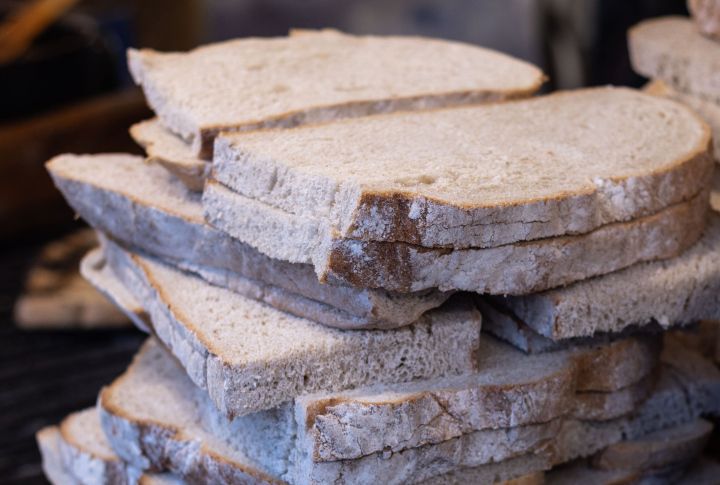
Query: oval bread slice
{"points": [[281, 82], [480, 176]]}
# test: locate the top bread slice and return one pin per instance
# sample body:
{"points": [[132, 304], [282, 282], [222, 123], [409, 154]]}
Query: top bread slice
{"points": [[672, 49], [142, 206], [281, 82], [481, 176]]}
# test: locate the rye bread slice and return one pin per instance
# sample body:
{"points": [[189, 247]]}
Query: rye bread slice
{"points": [[142, 206], [282, 82], [147, 434], [635, 296], [671, 49], [250, 356], [171, 152], [513, 269], [481, 176]]}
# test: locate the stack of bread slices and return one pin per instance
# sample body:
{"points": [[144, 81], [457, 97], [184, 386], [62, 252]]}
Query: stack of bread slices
{"points": [[323, 226]]}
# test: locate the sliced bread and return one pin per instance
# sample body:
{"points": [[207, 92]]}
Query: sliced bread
{"points": [[249, 84], [481, 176], [658, 449], [509, 390], [153, 413], [48, 440], [513, 269], [79, 446], [143, 206], [603, 406], [635, 296], [707, 110], [249, 356], [171, 152], [103, 462], [94, 269], [149, 434], [504, 324], [671, 49]]}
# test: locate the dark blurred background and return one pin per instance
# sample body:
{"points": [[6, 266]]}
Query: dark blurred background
{"points": [[71, 92]]}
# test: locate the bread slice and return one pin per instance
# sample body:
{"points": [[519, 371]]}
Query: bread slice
{"points": [[481, 176], [504, 324], [657, 450], [513, 269], [635, 296], [145, 431], [706, 14], [143, 206], [710, 112], [79, 446], [604, 406], [155, 402], [245, 84], [48, 439], [538, 389], [671, 49], [94, 269], [97, 462], [171, 152], [249, 356]]}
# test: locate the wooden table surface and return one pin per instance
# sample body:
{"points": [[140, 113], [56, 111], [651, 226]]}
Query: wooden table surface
{"points": [[45, 375]]}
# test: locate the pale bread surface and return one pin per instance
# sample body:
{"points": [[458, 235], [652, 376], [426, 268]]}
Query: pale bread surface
{"points": [[672, 49], [171, 152], [95, 270], [633, 296], [519, 268], [250, 356], [244, 84], [707, 110], [79, 446], [48, 440], [481, 176], [143, 206]]}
